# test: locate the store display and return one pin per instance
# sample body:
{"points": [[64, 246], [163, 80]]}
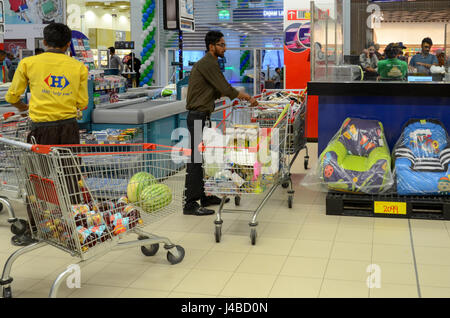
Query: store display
{"points": [[422, 158], [111, 136], [81, 50], [107, 87], [356, 160]]}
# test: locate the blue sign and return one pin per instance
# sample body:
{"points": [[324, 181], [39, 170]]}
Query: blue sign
{"points": [[258, 14]]}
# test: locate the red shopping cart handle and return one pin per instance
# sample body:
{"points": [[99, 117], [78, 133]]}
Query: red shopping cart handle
{"points": [[8, 114]]}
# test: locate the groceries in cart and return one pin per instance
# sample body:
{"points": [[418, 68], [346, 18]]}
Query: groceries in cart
{"points": [[283, 96], [356, 160], [239, 161]]}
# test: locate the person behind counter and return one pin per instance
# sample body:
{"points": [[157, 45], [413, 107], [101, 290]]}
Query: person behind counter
{"points": [[392, 68], [206, 84], [59, 89], [369, 62], [277, 78], [114, 61], [423, 61]]}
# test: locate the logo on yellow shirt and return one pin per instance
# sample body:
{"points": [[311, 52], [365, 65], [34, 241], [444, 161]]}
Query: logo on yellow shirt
{"points": [[53, 81]]}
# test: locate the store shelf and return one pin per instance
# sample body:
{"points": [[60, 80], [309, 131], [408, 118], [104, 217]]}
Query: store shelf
{"points": [[417, 207]]}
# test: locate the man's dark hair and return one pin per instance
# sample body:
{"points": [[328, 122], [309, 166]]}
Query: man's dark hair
{"points": [[277, 69], [212, 37], [57, 35], [2, 52], [428, 41], [38, 51], [112, 50], [391, 51]]}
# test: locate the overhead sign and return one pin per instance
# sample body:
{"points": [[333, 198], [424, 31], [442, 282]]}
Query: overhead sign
{"points": [[186, 14], [256, 14], [179, 15]]}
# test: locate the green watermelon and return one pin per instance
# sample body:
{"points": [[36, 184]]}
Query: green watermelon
{"points": [[137, 183], [155, 197]]}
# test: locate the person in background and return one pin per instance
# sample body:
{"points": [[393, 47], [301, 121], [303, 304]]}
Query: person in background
{"points": [[277, 78], [401, 56], [136, 67], [442, 60], [14, 61], [392, 68], [423, 61], [59, 90], [377, 52], [369, 62], [4, 77], [115, 61], [38, 51], [206, 84]]}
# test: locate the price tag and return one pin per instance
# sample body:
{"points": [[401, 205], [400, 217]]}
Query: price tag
{"points": [[390, 207]]}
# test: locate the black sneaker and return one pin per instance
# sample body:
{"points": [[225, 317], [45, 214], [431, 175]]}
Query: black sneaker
{"points": [[212, 200], [198, 211]]}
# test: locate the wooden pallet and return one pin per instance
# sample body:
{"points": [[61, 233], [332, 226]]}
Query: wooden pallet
{"points": [[393, 206]]}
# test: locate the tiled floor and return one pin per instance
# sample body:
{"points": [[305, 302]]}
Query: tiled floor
{"points": [[300, 252]]}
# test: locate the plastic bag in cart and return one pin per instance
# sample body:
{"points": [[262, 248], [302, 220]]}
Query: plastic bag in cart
{"points": [[356, 160]]}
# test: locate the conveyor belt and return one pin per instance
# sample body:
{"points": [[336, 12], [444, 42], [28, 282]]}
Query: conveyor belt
{"points": [[138, 113]]}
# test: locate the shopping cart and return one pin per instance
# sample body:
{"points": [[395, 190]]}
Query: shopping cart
{"points": [[242, 158], [85, 199], [297, 126], [13, 126]]}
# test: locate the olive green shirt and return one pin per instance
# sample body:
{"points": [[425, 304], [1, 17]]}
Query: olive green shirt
{"points": [[206, 84]]}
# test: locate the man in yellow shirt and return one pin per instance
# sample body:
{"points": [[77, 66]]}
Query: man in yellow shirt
{"points": [[58, 86]]}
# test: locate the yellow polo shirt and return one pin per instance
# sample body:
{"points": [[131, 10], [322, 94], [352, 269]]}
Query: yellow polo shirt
{"points": [[58, 86]]}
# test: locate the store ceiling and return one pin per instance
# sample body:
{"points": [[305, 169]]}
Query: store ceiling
{"points": [[120, 5], [415, 11], [416, 16]]}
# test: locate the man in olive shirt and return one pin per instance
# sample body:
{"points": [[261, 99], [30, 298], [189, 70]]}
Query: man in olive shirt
{"points": [[206, 84]]}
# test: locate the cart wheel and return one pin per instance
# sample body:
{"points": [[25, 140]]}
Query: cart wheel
{"points": [[19, 227], [237, 200], [253, 235], [148, 250], [218, 234], [7, 292], [173, 259], [290, 200], [285, 185], [306, 163]]}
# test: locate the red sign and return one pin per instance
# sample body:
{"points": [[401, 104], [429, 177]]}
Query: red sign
{"points": [[296, 15]]}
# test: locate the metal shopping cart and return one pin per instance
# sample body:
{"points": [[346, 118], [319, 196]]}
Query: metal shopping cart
{"points": [[85, 199], [297, 126], [13, 126], [241, 158]]}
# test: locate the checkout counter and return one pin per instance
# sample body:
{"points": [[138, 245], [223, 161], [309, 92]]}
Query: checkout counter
{"points": [[392, 103]]}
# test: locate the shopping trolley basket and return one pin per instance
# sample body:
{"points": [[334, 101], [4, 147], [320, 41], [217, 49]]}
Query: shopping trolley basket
{"points": [[13, 126], [84, 199], [241, 158], [274, 101]]}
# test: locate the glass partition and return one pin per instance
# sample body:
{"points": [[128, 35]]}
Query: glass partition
{"points": [[327, 51], [375, 25]]}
